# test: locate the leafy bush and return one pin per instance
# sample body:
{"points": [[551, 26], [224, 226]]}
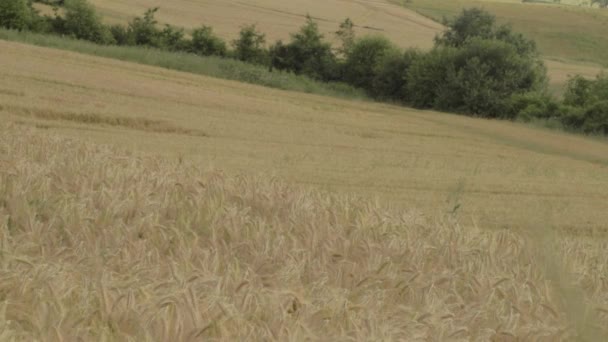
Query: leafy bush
{"points": [[583, 92], [390, 75], [596, 118], [122, 35], [427, 74], [249, 47], [15, 14], [82, 22], [529, 106], [364, 58], [306, 54], [173, 39], [475, 68], [478, 23], [206, 43], [144, 29]]}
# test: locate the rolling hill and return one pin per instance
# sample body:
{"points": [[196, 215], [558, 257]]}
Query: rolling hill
{"points": [[569, 49], [141, 203]]}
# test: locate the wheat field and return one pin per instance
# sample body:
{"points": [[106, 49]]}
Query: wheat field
{"points": [[138, 203], [104, 244]]}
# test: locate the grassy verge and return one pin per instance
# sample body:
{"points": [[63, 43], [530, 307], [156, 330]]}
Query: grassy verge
{"points": [[209, 66]]}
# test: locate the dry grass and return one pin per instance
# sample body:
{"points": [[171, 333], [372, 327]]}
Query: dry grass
{"points": [[279, 18], [102, 244], [498, 174]]}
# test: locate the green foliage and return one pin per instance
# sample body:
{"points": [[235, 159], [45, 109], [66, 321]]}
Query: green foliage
{"points": [[427, 75], [364, 58], [122, 35], [530, 106], [596, 118], [206, 43], [346, 36], [15, 14], [144, 29], [475, 68], [390, 75], [172, 38], [473, 22], [306, 54], [82, 22], [482, 74], [478, 23], [249, 47], [583, 92]]}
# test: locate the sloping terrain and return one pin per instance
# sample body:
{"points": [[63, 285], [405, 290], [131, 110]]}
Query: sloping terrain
{"points": [[498, 174], [571, 33], [405, 27], [104, 244], [279, 18]]}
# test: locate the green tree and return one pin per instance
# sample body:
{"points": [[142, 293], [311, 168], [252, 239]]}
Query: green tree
{"points": [[15, 14], [478, 23], [144, 29], [363, 59], [390, 75], [346, 36], [249, 47], [307, 53], [172, 38], [205, 43], [82, 22]]}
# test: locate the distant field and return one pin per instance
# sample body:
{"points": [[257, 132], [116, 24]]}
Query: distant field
{"points": [[437, 226], [278, 18], [498, 174], [565, 32]]}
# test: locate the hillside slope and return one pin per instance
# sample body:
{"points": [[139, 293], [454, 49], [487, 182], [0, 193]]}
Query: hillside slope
{"points": [[405, 27], [498, 174], [278, 18], [108, 245]]}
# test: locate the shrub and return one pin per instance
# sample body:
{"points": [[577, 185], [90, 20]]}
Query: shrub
{"points": [[144, 29], [477, 78], [15, 14], [572, 117], [346, 36], [205, 43], [529, 106], [583, 92], [172, 38], [478, 23], [306, 54], [249, 47], [364, 58], [596, 118], [427, 74], [122, 35], [390, 75], [473, 22], [82, 22]]}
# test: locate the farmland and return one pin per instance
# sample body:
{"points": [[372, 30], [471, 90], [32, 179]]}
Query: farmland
{"points": [[111, 171], [142, 203], [569, 49]]}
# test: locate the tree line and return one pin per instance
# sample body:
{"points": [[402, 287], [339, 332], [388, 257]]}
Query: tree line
{"points": [[476, 66]]}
